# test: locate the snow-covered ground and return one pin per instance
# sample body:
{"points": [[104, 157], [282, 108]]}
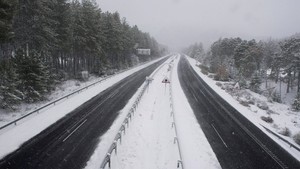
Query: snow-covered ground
{"points": [[108, 138], [280, 113], [61, 90], [12, 137], [149, 141]]}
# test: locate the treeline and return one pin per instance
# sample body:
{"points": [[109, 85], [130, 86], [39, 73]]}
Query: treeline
{"points": [[45, 41], [196, 51], [251, 62]]}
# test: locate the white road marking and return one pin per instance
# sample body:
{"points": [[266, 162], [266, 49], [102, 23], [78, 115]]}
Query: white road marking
{"points": [[75, 130], [195, 97], [219, 135]]}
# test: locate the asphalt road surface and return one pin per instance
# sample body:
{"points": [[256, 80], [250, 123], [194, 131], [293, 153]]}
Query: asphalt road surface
{"points": [[237, 143], [69, 143]]}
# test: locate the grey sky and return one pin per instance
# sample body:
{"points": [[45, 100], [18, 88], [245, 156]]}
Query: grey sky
{"points": [[178, 23]]}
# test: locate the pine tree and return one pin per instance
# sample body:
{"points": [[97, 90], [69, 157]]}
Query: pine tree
{"points": [[7, 9], [276, 97], [62, 16], [255, 83], [114, 43], [34, 26], [9, 93], [247, 58], [296, 103], [128, 49], [223, 54], [137, 36], [91, 15], [33, 76], [78, 38], [291, 59]]}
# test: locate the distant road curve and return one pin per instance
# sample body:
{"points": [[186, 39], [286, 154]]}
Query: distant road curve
{"points": [[237, 143], [69, 143]]}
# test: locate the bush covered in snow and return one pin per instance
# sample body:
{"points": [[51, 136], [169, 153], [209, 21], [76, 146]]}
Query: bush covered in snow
{"points": [[204, 69], [269, 111], [77, 83], [243, 83], [285, 131], [244, 94], [222, 74], [219, 84], [230, 87], [267, 119], [297, 138], [262, 105], [275, 97], [244, 97], [244, 103]]}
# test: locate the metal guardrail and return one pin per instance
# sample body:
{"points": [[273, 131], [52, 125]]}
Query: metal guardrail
{"points": [[176, 138], [66, 97], [281, 138], [52, 103], [122, 130]]}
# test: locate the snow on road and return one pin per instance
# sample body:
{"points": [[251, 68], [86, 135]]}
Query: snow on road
{"points": [[15, 136], [108, 138], [149, 141]]}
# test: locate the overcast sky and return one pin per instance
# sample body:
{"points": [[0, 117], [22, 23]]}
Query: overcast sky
{"points": [[179, 23]]}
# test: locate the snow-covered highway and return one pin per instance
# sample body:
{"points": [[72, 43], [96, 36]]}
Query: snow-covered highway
{"points": [[149, 141], [69, 142], [210, 133], [236, 141]]}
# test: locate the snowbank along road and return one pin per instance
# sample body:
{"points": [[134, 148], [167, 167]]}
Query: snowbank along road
{"points": [[70, 142], [149, 141], [236, 142]]}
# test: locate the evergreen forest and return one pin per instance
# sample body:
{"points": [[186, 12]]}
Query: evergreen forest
{"points": [[44, 42], [253, 63]]}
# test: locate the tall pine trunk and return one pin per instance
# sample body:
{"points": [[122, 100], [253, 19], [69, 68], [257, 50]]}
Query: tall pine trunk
{"points": [[289, 82], [298, 87]]}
